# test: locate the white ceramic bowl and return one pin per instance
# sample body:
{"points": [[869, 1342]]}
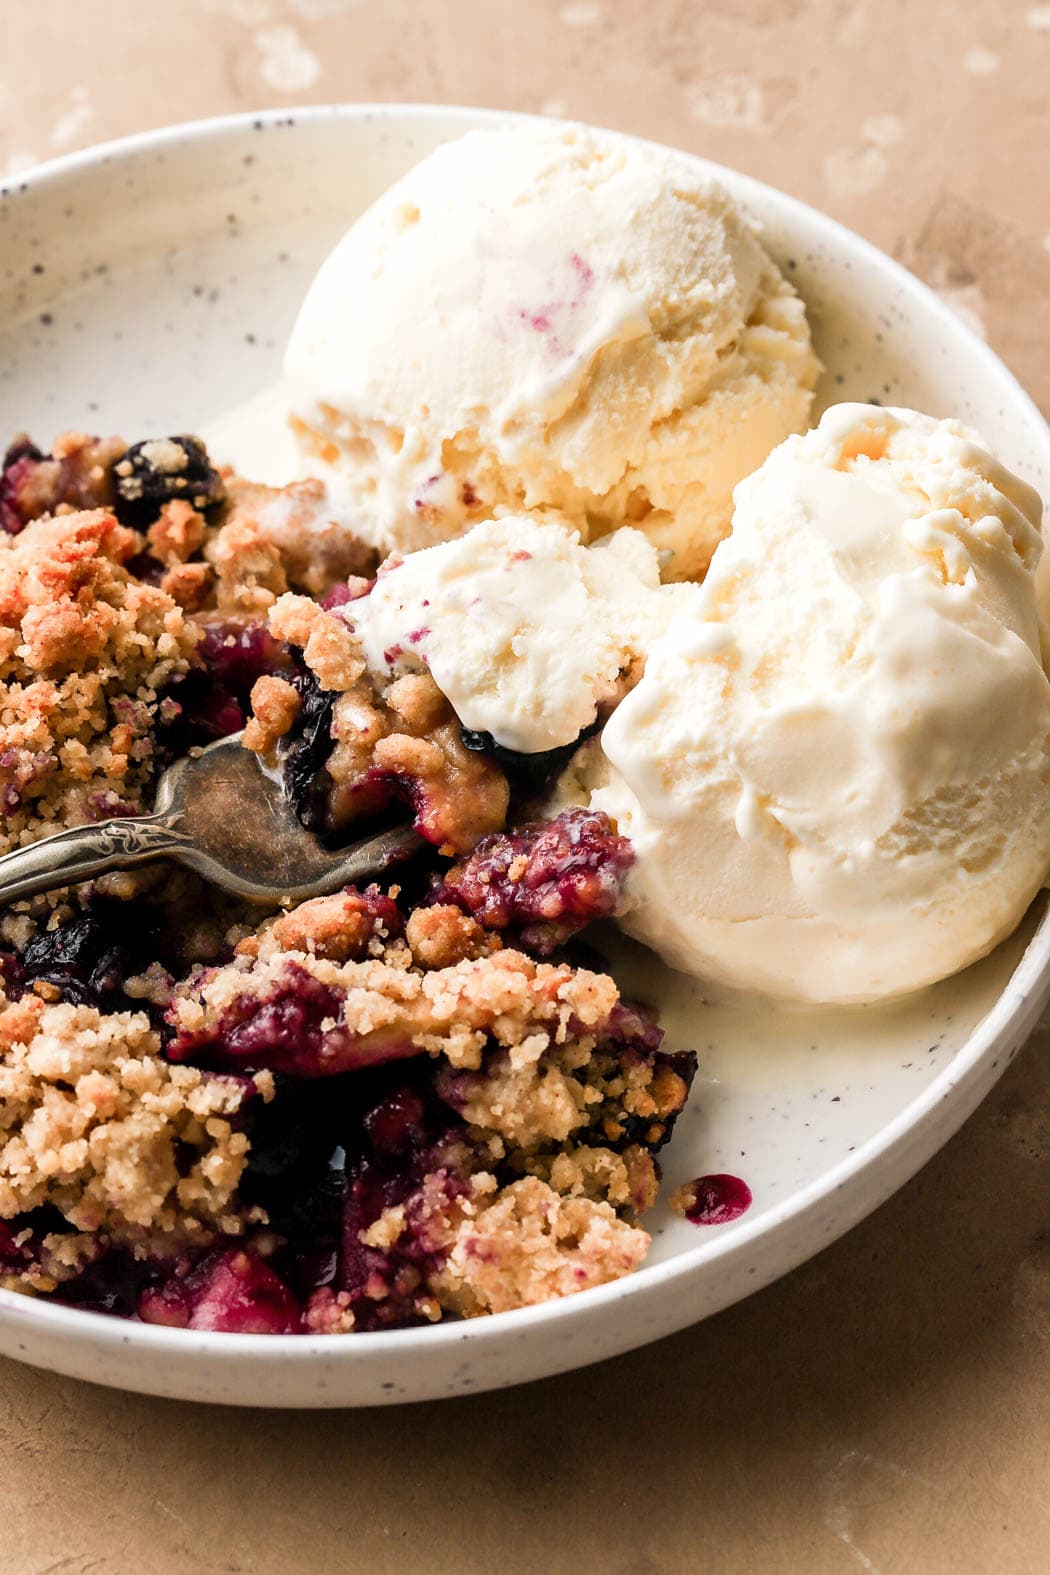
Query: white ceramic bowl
{"points": [[149, 285]]}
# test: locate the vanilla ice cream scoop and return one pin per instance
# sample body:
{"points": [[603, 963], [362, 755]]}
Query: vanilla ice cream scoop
{"points": [[545, 316], [836, 768], [526, 632]]}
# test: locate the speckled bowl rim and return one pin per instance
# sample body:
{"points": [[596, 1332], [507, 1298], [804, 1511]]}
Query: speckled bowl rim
{"points": [[1007, 1023]]}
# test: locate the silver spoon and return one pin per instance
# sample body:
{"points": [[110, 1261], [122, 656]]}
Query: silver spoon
{"points": [[220, 814]]}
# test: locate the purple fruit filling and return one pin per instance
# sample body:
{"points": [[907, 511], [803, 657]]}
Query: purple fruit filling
{"points": [[79, 474], [19, 466], [342, 592], [214, 698], [541, 883], [296, 1029], [232, 1291], [404, 1144], [715, 1200], [398, 1147], [328, 1160]]}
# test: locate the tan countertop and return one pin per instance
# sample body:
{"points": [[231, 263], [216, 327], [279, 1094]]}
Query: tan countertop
{"points": [[887, 1407]]}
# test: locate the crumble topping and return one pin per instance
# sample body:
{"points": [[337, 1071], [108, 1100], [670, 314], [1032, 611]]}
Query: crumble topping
{"points": [[275, 706], [96, 1123], [441, 935], [177, 533], [249, 575], [330, 648], [165, 455], [268, 541], [381, 1008], [627, 1179], [348, 924], [514, 1246], [315, 550], [526, 1244], [134, 587], [85, 652], [512, 1108]]}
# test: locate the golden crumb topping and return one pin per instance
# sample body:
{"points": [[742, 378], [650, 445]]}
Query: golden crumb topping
{"points": [[95, 1122], [297, 524], [524, 1244], [84, 651]]}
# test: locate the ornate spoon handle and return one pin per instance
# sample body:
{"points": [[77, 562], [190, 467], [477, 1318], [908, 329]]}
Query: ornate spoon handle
{"points": [[86, 851]]}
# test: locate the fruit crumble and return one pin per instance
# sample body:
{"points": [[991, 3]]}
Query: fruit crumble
{"points": [[377, 1109]]}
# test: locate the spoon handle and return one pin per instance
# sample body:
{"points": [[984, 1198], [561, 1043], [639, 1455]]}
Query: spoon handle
{"points": [[85, 851]]}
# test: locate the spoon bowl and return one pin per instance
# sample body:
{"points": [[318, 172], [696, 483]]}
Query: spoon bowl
{"points": [[220, 813]]}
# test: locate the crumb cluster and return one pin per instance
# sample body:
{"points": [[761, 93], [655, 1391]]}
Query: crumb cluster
{"points": [[390, 738], [86, 653], [95, 1122]]}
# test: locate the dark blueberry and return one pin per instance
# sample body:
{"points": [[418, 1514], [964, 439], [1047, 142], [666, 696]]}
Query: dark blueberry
{"points": [[112, 1284], [526, 771], [292, 1138], [327, 1159], [395, 1127], [159, 470], [306, 750], [21, 448], [145, 567], [89, 958], [296, 1171]]}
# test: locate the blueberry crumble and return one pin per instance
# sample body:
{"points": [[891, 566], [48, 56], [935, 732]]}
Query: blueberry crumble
{"points": [[374, 1110]]}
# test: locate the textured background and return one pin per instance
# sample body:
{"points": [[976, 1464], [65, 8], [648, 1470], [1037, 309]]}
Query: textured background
{"points": [[887, 1407]]}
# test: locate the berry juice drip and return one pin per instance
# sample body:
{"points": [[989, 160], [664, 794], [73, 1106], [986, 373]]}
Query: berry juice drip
{"points": [[718, 1199]]}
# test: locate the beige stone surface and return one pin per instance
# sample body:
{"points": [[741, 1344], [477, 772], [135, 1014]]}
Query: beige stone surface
{"points": [[887, 1407]]}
